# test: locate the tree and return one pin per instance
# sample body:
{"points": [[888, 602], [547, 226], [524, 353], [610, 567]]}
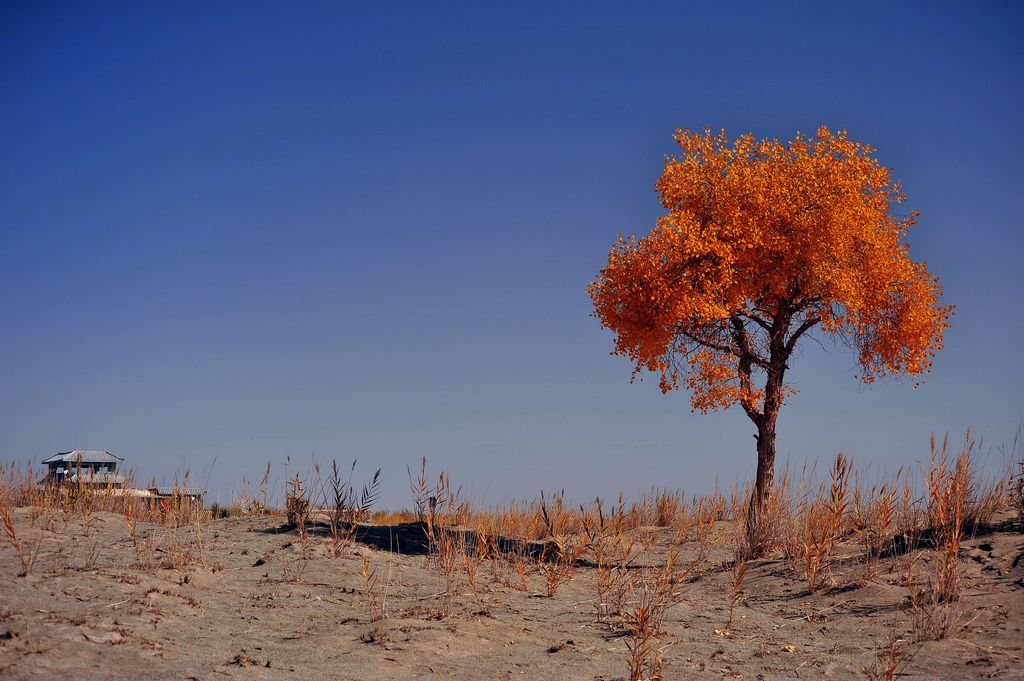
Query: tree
{"points": [[762, 242]]}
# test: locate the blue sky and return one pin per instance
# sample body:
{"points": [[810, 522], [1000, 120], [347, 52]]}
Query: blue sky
{"points": [[237, 231]]}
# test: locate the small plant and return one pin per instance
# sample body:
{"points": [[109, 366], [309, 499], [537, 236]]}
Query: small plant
{"points": [[644, 619], [739, 572], [85, 498], [183, 541], [260, 504], [822, 523], [873, 522], [443, 513], [840, 480], [345, 506], [1013, 486], [599, 535], [932, 618], [891, 660], [814, 544], [244, 500], [293, 566], [128, 512], [218, 512], [472, 559], [521, 569], [1017, 493], [561, 551], [46, 505], [558, 563], [947, 493], [26, 553], [448, 549], [614, 554], [376, 598], [297, 505], [421, 494], [767, 525], [702, 527]]}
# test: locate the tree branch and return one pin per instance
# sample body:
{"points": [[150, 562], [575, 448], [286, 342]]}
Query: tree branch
{"points": [[708, 344], [801, 330], [743, 343], [760, 322]]}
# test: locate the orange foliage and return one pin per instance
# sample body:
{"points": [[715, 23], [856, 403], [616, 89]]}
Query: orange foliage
{"points": [[763, 240]]}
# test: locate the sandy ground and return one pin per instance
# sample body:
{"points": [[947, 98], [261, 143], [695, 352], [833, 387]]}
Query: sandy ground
{"points": [[256, 609]]}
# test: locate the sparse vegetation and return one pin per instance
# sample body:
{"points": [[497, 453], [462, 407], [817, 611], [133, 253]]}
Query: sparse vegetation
{"points": [[653, 590], [373, 591], [26, 552], [630, 564], [891, 660]]}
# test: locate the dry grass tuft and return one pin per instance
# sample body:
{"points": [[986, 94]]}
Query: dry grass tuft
{"points": [[654, 592]]}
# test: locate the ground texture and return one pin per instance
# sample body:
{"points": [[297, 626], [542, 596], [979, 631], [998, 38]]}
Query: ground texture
{"points": [[245, 600]]}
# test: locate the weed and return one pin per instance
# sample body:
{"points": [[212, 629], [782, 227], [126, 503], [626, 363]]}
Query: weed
{"points": [[891, 660], [1017, 493], [562, 549], [297, 505], [821, 523], [739, 572], [947, 492], [26, 552], [472, 559], [376, 597], [346, 507], [644, 618]]}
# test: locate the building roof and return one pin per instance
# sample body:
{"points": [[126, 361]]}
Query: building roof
{"points": [[86, 457]]}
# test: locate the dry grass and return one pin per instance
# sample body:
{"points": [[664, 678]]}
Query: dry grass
{"points": [[819, 523], [653, 592], [947, 497], [890, 661], [178, 542], [873, 516], [1017, 492], [27, 552], [739, 573], [542, 545], [614, 553], [374, 592], [563, 543]]}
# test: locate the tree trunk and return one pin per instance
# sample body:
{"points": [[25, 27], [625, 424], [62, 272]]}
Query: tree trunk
{"points": [[756, 530]]}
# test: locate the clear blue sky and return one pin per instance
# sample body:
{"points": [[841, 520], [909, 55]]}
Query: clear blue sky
{"points": [[243, 230]]}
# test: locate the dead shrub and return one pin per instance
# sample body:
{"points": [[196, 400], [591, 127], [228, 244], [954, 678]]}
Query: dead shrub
{"points": [[891, 660], [563, 545], [654, 592], [947, 493], [297, 505], [739, 572], [376, 595], [822, 525], [345, 507]]}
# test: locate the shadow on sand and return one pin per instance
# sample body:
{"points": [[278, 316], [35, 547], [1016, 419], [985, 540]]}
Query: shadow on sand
{"points": [[411, 539]]}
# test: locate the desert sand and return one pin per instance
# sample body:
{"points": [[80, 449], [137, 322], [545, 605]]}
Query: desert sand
{"points": [[252, 601]]}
